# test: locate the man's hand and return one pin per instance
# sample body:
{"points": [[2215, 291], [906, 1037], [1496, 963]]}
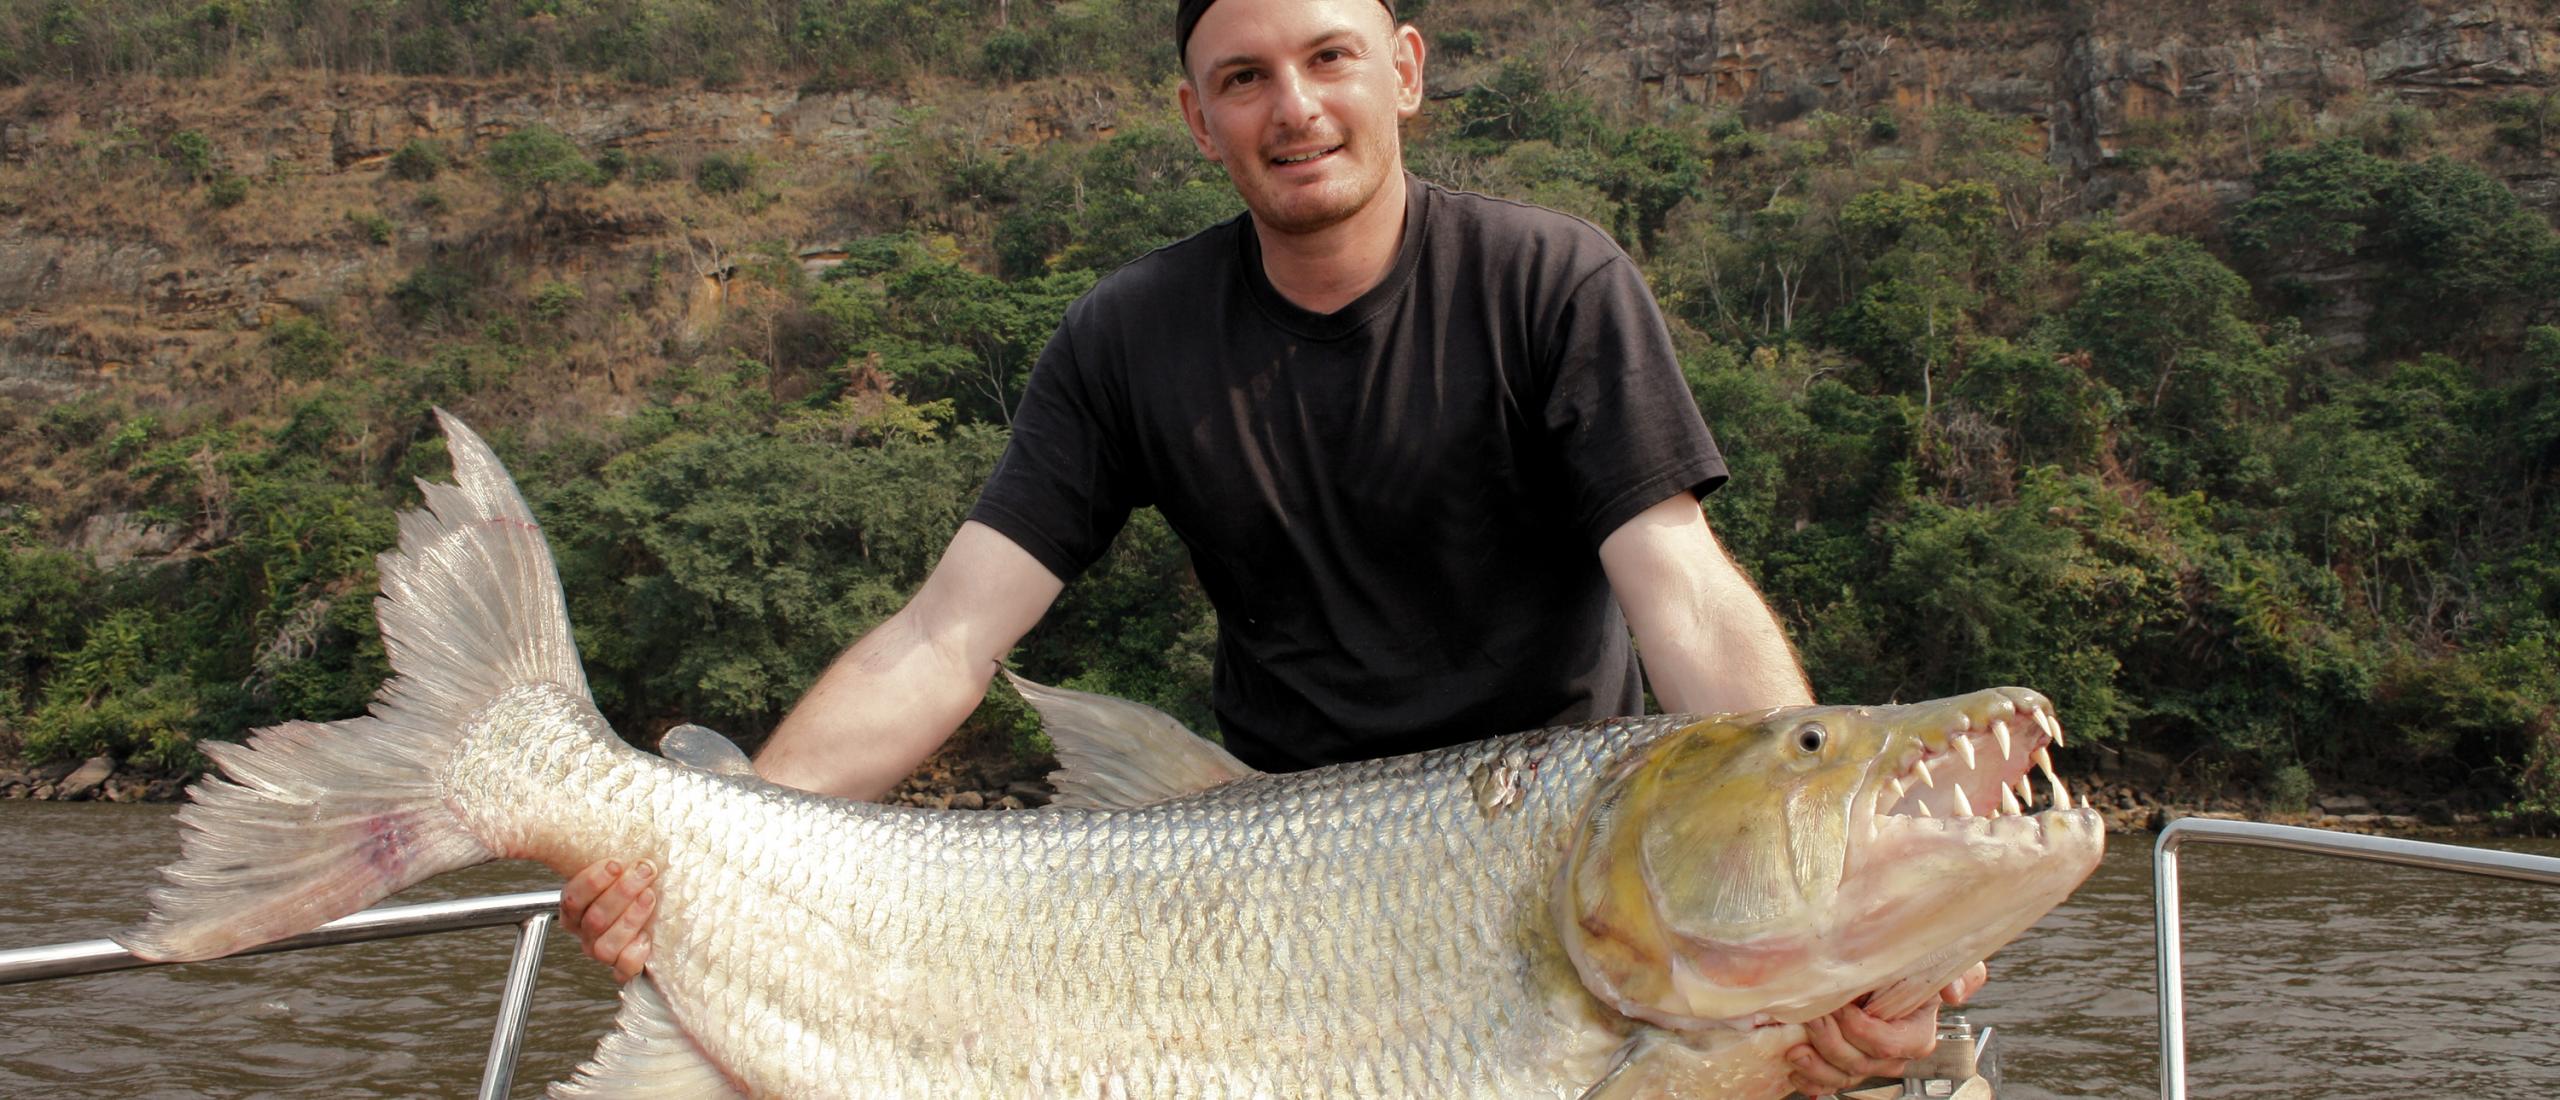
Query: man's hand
{"points": [[608, 910], [1852, 1045]]}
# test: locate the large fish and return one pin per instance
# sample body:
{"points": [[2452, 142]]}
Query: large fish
{"points": [[1633, 908]]}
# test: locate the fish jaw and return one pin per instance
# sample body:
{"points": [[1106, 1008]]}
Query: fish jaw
{"points": [[1773, 866], [1962, 852]]}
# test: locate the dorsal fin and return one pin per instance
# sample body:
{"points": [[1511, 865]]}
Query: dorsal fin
{"points": [[1116, 755], [699, 747]]}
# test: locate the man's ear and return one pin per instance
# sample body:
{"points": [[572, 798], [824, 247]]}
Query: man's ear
{"points": [[1193, 118], [1408, 71]]}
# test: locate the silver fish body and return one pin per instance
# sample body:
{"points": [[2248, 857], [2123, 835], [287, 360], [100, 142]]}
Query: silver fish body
{"points": [[1634, 908], [1367, 930]]}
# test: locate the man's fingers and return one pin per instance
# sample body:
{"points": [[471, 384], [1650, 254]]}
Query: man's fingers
{"points": [[583, 888], [1850, 1046], [606, 918], [1882, 1040], [1964, 987], [633, 958], [632, 926], [1816, 1070]]}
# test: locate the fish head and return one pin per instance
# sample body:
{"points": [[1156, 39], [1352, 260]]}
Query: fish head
{"points": [[1772, 866]]}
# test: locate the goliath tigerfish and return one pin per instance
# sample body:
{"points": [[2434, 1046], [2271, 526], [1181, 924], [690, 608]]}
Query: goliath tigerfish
{"points": [[1637, 907]]}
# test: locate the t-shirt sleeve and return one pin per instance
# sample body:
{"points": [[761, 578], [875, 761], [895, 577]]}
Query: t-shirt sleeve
{"points": [[1618, 411], [1060, 491]]}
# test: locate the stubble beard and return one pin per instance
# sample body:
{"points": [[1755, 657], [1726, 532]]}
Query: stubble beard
{"points": [[1313, 210]]}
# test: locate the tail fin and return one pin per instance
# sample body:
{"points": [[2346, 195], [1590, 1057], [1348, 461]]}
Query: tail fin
{"points": [[310, 822]]}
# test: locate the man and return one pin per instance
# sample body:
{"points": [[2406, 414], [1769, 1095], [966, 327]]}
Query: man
{"points": [[1423, 448]]}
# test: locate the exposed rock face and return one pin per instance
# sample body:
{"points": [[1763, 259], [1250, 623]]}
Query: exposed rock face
{"points": [[2089, 76], [112, 539]]}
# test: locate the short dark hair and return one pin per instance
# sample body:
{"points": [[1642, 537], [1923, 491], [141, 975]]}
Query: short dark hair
{"points": [[1186, 16]]}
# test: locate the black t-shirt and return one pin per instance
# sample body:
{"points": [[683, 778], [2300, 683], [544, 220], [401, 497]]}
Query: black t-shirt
{"points": [[1396, 507]]}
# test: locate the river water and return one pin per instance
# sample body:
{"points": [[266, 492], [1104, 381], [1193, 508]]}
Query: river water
{"points": [[2306, 977]]}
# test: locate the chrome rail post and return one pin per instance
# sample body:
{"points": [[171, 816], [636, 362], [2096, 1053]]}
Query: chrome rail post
{"points": [[2251, 834], [2173, 1009], [506, 1039]]}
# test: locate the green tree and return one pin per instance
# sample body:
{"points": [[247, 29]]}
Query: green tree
{"points": [[540, 161], [2161, 321]]}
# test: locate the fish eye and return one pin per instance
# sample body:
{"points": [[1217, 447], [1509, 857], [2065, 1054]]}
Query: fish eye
{"points": [[1810, 738]]}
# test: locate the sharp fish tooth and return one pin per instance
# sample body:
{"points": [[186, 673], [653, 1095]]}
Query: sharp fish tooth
{"points": [[2026, 793], [2044, 763], [2000, 731], [2061, 796], [2052, 727], [1922, 809], [1964, 806], [1922, 767], [2009, 802], [1899, 786], [1964, 748]]}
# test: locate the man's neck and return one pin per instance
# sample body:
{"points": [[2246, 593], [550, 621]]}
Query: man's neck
{"points": [[1325, 270]]}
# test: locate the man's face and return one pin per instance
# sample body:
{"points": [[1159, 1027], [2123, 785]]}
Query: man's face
{"points": [[1299, 99]]}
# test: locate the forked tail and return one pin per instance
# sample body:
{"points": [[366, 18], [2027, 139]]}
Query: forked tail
{"points": [[309, 822]]}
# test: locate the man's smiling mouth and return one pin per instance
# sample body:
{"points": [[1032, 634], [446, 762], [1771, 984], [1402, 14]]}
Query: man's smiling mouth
{"points": [[1303, 158]]}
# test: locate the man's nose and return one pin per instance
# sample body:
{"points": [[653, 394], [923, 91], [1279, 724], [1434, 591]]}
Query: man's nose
{"points": [[1296, 103]]}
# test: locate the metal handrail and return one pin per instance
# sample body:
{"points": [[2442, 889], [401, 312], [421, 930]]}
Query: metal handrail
{"points": [[531, 912], [2252, 834]]}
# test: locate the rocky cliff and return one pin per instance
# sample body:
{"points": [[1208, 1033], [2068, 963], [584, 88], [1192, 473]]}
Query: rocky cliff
{"points": [[2100, 80]]}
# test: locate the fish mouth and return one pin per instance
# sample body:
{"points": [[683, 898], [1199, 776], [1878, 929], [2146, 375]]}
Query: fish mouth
{"points": [[1970, 771], [1953, 839]]}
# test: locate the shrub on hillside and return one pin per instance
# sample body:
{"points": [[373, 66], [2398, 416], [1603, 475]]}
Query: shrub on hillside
{"points": [[722, 174], [227, 191], [542, 161], [439, 292], [1012, 55], [418, 160], [553, 300], [303, 347], [374, 227], [191, 153]]}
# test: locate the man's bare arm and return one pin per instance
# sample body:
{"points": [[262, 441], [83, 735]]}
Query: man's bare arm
{"points": [[897, 695], [1709, 643], [878, 711]]}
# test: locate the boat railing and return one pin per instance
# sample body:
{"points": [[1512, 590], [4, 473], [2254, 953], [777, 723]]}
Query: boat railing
{"points": [[532, 913], [2376, 849]]}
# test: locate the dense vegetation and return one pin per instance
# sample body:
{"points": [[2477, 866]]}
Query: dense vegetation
{"points": [[2269, 488]]}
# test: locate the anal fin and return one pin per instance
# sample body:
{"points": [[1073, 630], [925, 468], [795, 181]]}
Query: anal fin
{"points": [[648, 1057]]}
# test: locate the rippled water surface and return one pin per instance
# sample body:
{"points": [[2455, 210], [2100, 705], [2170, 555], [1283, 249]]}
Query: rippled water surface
{"points": [[2306, 977]]}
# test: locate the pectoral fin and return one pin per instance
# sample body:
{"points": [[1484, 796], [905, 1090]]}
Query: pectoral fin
{"points": [[648, 1057], [1665, 1065], [1116, 755]]}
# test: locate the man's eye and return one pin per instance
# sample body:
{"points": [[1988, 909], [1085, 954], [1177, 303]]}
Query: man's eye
{"points": [[1238, 80], [1331, 55]]}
